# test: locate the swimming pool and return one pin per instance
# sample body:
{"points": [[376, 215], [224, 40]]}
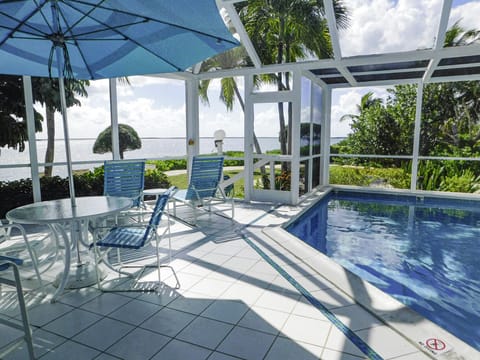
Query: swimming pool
{"points": [[423, 251]]}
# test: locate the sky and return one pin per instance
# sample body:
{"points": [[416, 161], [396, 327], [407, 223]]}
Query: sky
{"points": [[155, 107]]}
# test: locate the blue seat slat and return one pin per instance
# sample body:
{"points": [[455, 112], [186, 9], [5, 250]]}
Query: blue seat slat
{"points": [[206, 175], [11, 259], [124, 178], [131, 238], [135, 237]]}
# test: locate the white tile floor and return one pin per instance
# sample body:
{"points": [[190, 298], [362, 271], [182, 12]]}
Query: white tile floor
{"points": [[232, 304]]}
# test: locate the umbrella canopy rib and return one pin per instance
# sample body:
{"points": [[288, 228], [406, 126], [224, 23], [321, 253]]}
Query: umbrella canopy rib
{"points": [[99, 35]]}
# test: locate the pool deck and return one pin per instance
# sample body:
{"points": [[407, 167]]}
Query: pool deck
{"points": [[246, 293]]}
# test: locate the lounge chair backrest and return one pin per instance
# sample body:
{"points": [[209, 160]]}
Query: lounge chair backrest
{"points": [[158, 212], [205, 177], [124, 178]]}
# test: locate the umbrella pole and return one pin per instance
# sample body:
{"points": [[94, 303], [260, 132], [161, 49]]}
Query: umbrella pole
{"points": [[63, 102]]}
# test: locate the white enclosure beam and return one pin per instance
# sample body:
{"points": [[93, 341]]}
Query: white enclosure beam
{"points": [[248, 137], [440, 39], [273, 96], [192, 120], [325, 145], [112, 85], [416, 55], [296, 120], [337, 52], [32, 141], [244, 38], [309, 75], [416, 137], [309, 176]]}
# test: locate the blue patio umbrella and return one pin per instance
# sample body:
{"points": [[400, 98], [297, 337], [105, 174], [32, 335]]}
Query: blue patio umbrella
{"points": [[95, 39]]}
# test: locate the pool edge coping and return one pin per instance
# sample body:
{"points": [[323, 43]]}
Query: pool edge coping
{"points": [[349, 283]]}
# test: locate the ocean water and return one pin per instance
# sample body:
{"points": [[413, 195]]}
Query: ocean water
{"points": [[81, 150]]}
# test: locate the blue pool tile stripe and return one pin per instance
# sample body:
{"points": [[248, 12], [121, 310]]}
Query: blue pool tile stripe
{"points": [[354, 338]]}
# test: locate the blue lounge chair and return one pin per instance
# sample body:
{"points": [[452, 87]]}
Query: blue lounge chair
{"points": [[135, 237], [12, 263], [203, 189]]}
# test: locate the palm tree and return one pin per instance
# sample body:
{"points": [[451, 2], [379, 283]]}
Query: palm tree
{"points": [[463, 127], [367, 101], [128, 140], [285, 31], [46, 92], [281, 31], [229, 88], [458, 36], [13, 128]]}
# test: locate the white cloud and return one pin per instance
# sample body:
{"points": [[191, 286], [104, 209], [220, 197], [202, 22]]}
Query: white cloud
{"points": [[468, 14], [266, 120], [379, 26]]}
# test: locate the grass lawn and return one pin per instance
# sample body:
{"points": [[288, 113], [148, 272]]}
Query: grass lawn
{"points": [[181, 182]]}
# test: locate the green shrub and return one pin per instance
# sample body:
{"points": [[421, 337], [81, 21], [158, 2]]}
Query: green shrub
{"points": [[365, 176], [282, 181], [19, 192], [14, 194], [348, 176], [156, 179], [465, 182], [166, 165]]}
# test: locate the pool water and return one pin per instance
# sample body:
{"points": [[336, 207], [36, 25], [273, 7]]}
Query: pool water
{"points": [[425, 252]]}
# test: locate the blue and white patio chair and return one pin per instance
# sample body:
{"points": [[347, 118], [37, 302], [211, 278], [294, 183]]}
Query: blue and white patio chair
{"points": [[203, 189], [124, 178], [12, 263], [135, 237]]}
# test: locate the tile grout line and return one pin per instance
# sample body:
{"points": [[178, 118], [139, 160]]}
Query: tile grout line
{"points": [[354, 338]]}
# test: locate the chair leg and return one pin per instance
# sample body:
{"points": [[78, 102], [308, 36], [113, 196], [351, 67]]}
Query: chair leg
{"points": [[31, 252], [157, 244], [23, 311], [169, 239], [157, 240]]}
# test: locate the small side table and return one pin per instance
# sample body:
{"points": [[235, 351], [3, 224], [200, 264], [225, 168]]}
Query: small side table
{"points": [[154, 192]]}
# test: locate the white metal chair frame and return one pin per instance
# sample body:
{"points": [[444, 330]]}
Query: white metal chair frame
{"points": [[12, 263], [6, 229]]}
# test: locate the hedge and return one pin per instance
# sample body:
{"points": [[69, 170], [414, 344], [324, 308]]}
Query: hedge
{"points": [[19, 192]]}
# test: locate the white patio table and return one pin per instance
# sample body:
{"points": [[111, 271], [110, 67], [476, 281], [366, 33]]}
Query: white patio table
{"points": [[56, 214]]}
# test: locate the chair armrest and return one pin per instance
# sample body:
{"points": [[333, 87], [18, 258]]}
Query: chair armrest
{"points": [[7, 260]]}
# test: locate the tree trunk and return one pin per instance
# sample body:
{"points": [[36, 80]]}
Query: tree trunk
{"points": [[49, 153]]}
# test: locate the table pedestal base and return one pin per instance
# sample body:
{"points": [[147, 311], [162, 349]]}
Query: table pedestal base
{"points": [[80, 276]]}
